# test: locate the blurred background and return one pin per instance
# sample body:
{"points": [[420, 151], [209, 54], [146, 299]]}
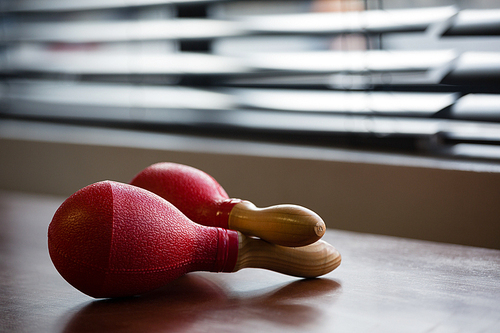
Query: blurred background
{"points": [[381, 115]]}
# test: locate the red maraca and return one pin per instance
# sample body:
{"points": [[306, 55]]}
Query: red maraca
{"points": [[111, 240], [204, 201]]}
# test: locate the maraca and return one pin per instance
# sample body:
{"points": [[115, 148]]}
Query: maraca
{"points": [[204, 201], [112, 240]]}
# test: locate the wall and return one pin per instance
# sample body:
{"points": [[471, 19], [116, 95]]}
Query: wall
{"points": [[415, 197]]}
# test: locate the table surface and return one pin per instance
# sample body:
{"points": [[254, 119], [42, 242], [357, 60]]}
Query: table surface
{"points": [[384, 284]]}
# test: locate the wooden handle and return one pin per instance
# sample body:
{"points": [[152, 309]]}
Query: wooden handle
{"points": [[286, 225], [308, 261]]}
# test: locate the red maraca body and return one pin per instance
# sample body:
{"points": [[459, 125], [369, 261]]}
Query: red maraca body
{"points": [[112, 240], [195, 193], [204, 201]]}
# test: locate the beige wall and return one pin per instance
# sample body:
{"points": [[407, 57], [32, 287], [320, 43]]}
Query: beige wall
{"points": [[431, 203]]}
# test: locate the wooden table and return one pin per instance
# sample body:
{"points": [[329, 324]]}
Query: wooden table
{"points": [[384, 284]]}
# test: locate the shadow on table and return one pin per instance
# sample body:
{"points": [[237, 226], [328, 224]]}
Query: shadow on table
{"points": [[192, 298]]}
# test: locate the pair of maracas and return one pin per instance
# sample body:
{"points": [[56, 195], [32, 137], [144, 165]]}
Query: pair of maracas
{"points": [[111, 239]]}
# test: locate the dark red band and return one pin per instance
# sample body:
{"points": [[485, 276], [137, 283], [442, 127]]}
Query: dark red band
{"points": [[227, 250], [225, 207]]}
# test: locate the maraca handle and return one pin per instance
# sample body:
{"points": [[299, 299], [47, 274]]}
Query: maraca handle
{"points": [[286, 225], [308, 261]]}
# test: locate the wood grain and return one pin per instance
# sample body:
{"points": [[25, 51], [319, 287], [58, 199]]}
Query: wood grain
{"points": [[287, 225], [308, 261], [384, 284]]}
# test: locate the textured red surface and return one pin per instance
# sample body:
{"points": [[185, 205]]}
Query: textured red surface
{"points": [[112, 240], [194, 192]]}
